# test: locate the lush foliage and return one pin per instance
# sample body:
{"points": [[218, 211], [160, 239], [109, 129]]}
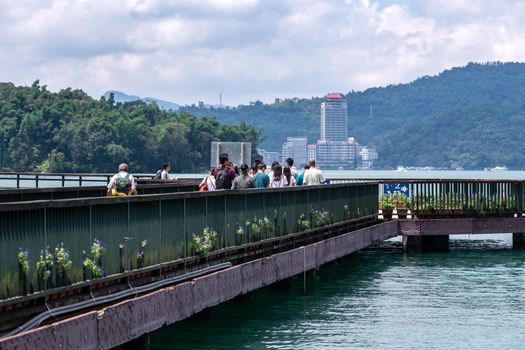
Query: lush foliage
{"points": [[70, 131], [205, 242], [44, 265], [471, 117], [92, 261], [394, 200], [62, 257], [23, 260]]}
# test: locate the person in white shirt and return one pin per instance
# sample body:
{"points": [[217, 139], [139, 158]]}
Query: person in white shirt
{"points": [[123, 183], [274, 164], [287, 172], [313, 176], [278, 179], [166, 168]]}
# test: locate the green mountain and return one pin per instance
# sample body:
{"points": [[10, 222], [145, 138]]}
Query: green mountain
{"points": [[70, 131], [471, 117], [122, 97]]}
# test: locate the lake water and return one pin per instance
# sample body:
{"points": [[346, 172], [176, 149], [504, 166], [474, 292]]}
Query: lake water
{"points": [[471, 297]]}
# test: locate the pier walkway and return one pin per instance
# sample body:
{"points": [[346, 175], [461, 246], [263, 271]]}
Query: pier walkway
{"points": [[97, 272]]}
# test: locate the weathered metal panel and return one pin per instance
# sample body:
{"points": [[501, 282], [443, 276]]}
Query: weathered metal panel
{"points": [[320, 253], [179, 300], [297, 257], [252, 275], [229, 283], [283, 266], [79, 332], [268, 273], [205, 292], [130, 319]]}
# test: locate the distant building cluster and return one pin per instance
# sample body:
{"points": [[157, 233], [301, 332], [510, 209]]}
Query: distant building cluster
{"points": [[334, 149]]}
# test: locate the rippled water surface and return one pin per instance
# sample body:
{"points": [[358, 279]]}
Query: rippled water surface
{"points": [[472, 297]]}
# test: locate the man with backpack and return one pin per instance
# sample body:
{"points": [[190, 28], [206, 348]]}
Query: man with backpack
{"points": [[163, 174], [224, 174], [123, 183]]}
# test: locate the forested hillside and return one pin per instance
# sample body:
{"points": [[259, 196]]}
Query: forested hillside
{"points": [[70, 131], [471, 117]]}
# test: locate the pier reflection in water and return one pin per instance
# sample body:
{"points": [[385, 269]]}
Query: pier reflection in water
{"points": [[470, 297]]}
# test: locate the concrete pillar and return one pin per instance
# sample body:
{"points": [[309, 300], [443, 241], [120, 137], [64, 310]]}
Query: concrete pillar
{"points": [[140, 343], [518, 240], [418, 244], [412, 244]]}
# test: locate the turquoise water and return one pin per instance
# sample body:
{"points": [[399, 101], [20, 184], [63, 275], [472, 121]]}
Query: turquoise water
{"points": [[472, 297]]}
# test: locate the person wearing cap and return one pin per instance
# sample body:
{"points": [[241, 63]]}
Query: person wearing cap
{"points": [[123, 183]]}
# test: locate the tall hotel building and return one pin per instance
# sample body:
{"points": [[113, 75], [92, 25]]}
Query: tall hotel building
{"points": [[334, 150], [334, 118]]}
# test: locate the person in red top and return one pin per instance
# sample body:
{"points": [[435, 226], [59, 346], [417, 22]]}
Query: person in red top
{"points": [[224, 174]]}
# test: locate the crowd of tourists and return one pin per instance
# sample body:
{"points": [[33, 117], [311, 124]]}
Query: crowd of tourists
{"points": [[229, 176]]}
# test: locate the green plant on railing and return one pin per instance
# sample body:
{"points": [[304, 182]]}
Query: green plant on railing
{"points": [[275, 221], [121, 257], [23, 269], [62, 265], [267, 226], [255, 230], [239, 236], [92, 261], [140, 254], [394, 200], [302, 223], [259, 228], [23, 261], [320, 218], [205, 242], [347, 215], [44, 268], [91, 268]]}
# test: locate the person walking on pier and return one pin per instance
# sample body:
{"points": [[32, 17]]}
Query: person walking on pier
{"points": [[287, 173], [243, 180], [300, 177], [261, 179], [288, 163], [163, 174], [224, 174], [278, 179], [314, 176], [123, 183]]}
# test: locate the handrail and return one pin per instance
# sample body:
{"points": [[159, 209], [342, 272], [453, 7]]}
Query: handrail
{"points": [[145, 230]]}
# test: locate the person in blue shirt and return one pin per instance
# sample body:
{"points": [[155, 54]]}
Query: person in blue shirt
{"points": [[262, 180], [300, 177]]}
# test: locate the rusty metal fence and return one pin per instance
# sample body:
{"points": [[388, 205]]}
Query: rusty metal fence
{"points": [[46, 245]]}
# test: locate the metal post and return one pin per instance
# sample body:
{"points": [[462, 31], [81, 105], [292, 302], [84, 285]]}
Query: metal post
{"points": [[36, 181]]}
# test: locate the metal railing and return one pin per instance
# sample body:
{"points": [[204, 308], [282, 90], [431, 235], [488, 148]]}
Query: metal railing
{"points": [[38, 180], [148, 230], [33, 194]]}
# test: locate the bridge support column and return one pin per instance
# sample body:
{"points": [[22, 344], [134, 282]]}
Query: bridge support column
{"points": [[418, 244], [518, 240], [140, 343]]}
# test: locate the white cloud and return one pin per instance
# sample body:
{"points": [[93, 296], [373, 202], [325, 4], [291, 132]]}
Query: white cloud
{"points": [[186, 51]]}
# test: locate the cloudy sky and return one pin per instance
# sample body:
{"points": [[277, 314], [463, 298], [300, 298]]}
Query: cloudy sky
{"points": [[187, 51]]}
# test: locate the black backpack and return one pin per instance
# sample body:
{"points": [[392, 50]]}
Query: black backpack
{"points": [[222, 180], [158, 174]]}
